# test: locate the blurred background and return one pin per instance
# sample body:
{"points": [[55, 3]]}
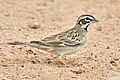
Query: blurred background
{"points": [[26, 20]]}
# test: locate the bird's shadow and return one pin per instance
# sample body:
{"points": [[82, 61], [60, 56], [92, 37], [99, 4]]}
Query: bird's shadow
{"points": [[54, 61], [47, 59]]}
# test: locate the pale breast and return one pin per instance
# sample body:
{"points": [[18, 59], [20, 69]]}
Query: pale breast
{"points": [[67, 50]]}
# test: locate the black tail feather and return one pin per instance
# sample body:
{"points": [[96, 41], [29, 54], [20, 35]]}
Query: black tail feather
{"points": [[16, 43]]}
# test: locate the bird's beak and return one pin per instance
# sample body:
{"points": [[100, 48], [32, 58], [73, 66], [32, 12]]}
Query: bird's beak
{"points": [[95, 20]]}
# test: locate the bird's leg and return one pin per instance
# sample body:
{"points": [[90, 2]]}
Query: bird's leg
{"points": [[61, 60]]}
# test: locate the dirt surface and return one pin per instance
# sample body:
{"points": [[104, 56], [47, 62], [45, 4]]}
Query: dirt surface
{"points": [[99, 59]]}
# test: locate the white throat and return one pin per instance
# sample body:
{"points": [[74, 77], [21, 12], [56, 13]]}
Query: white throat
{"points": [[84, 26]]}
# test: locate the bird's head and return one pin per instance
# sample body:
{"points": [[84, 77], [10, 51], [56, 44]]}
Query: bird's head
{"points": [[85, 20]]}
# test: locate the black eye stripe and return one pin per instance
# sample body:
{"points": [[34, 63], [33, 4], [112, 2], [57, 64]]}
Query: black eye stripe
{"points": [[88, 19]]}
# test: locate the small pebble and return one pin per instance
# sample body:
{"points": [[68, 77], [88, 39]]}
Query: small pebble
{"points": [[76, 72], [33, 62], [5, 65], [7, 14], [99, 29], [22, 66], [107, 47], [49, 62], [34, 24], [112, 62], [29, 51]]}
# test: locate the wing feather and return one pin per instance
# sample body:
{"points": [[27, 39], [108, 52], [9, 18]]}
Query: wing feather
{"points": [[68, 38]]}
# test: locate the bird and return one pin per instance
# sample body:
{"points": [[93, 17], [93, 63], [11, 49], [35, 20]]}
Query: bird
{"points": [[64, 43]]}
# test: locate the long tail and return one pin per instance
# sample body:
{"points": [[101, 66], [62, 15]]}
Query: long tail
{"points": [[18, 43], [37, 44]]}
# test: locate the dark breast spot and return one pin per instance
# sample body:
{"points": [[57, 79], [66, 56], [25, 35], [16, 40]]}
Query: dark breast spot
{"points": [[76, 39], [73, 38]]}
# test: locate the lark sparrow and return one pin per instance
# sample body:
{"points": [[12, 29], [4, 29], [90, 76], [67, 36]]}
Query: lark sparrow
{"points": [[66, 42]]}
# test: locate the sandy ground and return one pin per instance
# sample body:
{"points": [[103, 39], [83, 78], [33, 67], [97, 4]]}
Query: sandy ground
{"points": [[99, 59]]}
